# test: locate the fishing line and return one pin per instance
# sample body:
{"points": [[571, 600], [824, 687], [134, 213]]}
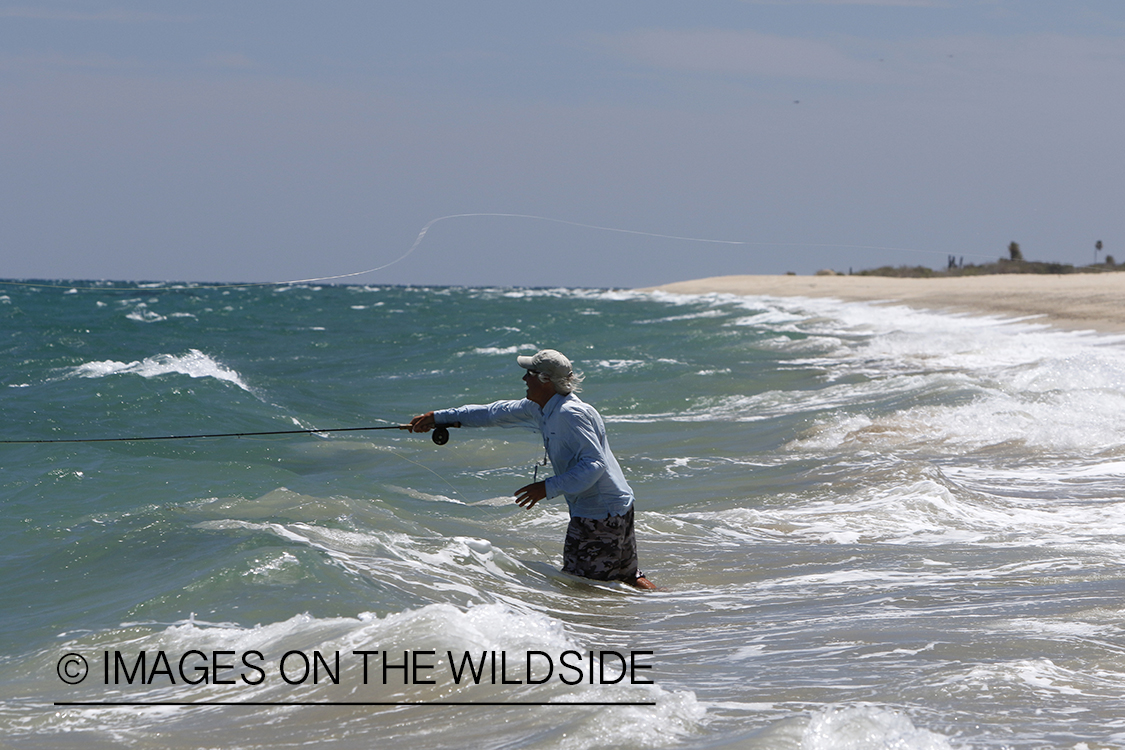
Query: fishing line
{"points": [[534, 217], [427, 468], [600, 228], [440, 435], [493, 511]]}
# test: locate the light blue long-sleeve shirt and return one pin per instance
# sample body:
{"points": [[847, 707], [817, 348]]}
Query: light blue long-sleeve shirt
{"points": [[586, 472]]}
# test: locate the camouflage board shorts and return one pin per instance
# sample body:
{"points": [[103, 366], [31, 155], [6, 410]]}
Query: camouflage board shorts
{"points": [[603, 549]]}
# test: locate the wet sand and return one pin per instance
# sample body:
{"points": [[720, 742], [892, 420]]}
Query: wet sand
{"points": [[1085, 301]]}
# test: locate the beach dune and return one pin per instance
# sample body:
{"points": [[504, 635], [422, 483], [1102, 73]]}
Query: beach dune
{"points": [[1081, 301]]}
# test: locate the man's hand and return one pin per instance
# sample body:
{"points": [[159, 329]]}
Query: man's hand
{"points": [[422, 422], [529, 495]]}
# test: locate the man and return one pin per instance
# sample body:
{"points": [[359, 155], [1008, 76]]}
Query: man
{"points": [[599, 540]]}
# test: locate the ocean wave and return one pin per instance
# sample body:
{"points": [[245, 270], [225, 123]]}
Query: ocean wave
{"points": [[930, 511], [965, 384], [142, 314], [194, 364], [688, 316], [1039, 680], [867, 726], [1075, 421], [490, 350], [621, 364]]}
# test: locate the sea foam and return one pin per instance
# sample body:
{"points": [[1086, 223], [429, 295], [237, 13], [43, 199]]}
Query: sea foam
{"points": [[194, 364]]}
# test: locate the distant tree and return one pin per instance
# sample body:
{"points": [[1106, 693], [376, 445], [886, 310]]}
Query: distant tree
{"points": [[1098, 249], [1109, 261], [1014, 251]]}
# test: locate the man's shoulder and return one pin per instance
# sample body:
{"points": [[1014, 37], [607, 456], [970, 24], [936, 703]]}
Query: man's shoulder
{"points": [[522, 406], [572, 406]]}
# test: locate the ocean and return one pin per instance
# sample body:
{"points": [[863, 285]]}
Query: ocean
{"points": [[871, 526]]}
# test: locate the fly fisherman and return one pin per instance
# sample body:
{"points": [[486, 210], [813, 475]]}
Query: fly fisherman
{"points": [[599, 540]]}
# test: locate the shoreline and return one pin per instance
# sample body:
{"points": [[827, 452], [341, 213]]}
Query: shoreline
{"points": [[1094, 302]]}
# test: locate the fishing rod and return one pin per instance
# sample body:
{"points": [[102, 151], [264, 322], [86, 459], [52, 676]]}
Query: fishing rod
{"points": [[440, 435]]}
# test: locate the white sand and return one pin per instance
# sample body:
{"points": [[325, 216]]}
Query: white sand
{"points": [[1093, 301]]}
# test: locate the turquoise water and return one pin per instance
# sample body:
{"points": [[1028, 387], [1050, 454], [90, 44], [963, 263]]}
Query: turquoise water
{"points": [[872, 526]]}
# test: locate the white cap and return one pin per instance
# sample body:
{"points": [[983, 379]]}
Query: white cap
{"points": [[549, 362]]}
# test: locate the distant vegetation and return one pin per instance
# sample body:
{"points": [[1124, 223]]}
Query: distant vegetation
{"points": [[1014, 263]]}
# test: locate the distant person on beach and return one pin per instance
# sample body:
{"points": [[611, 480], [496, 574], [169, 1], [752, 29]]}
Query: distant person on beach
{"points": [[600, 543]]}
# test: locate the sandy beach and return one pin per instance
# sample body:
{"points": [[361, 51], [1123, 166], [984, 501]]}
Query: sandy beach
{"points": [[1074, 301]]}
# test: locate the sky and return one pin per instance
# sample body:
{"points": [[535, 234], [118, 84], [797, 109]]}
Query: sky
{"points": [[273, 141]]}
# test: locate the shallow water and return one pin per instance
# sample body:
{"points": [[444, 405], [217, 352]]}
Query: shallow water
{"points": [[872, 526]]}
